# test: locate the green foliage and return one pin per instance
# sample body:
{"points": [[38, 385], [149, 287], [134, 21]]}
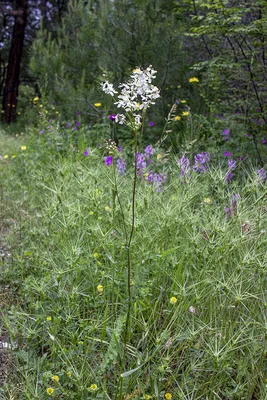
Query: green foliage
{"points": [[70, 229]]}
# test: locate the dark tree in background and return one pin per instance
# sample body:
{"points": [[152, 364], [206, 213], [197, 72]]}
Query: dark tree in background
{"points": [[15, 54]]}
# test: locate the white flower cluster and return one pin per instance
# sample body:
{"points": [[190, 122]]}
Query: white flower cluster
{"points": [[136, 95]]}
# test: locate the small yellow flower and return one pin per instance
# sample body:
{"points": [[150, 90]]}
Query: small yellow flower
{"points": [[93, 387], [159, 156], [97, 104], [50, 391], [69, 374], [177, 118], [179, 87], [99, 263], [183, 101], [17, 134], [100, 289], [53, 108], [96, 255], [55, 378], [13, 156], [173, 300], [40, 105], [107, 208], [185, 113], [168, 396], [147, 397], [23, 148], [18, 112], [5, 156], [194, 79], [91, 212], [22, 133], [207, 200], [57, 112], [36, 99], [49, 319]]}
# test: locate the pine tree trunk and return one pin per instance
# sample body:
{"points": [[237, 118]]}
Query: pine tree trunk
{"points": [[14, 61]]}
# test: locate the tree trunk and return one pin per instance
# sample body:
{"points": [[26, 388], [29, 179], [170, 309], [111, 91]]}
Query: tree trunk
{"points": [[14, 61]]}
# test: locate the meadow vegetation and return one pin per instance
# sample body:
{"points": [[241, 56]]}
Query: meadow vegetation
{"points": [[136, 225]]}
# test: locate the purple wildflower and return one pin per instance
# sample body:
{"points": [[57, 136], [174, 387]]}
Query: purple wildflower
{"points": [[227, 154], [78, 113], [156, 179], [226, 134], [151, 123], [86, 152], [112, 117], [200, 162], [264, 141], [78, 123], [149, 151], [75, 128], [121, 166], [140, 163], [68, 125], [120, 148], [262, 175], [41, 132], [245, 134], [184, 164], [108, 160], [229, 176], [231, 164]]}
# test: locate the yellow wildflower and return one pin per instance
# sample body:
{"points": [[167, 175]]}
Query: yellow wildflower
{"points": [[177, 118], [93, 387], [55, 378], [97, 104], [22, 133], [23, 148], [194, 79], [13, 156], [107, 208], [99, 263], [5, 156], [183, 101], [185, 113], [147, 397], [18, 112], [179, 87], [49, 319], [168, 396], [40, 105], [173, 300], [36, 99], [69, 374], [91, 212], [159, 156], [96, 255], [207, 200], [50, 391], [100, 289]]}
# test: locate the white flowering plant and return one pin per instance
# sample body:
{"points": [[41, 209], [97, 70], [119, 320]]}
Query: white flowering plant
{"points": [[135, 97]]}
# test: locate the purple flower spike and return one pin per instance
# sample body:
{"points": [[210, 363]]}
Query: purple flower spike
{"points": [[41, 132], [151, 123], [86, 152], [229, 176], [67, 125], [231, 164], [262, 175], [264, 141], [120, 148], [108, 160], [78, 113], [226, 134], [112, 117], [227, 154], [78, 123], [121, 166]]}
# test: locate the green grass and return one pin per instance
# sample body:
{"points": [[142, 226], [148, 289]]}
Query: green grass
{"points": [[210, 344]]}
